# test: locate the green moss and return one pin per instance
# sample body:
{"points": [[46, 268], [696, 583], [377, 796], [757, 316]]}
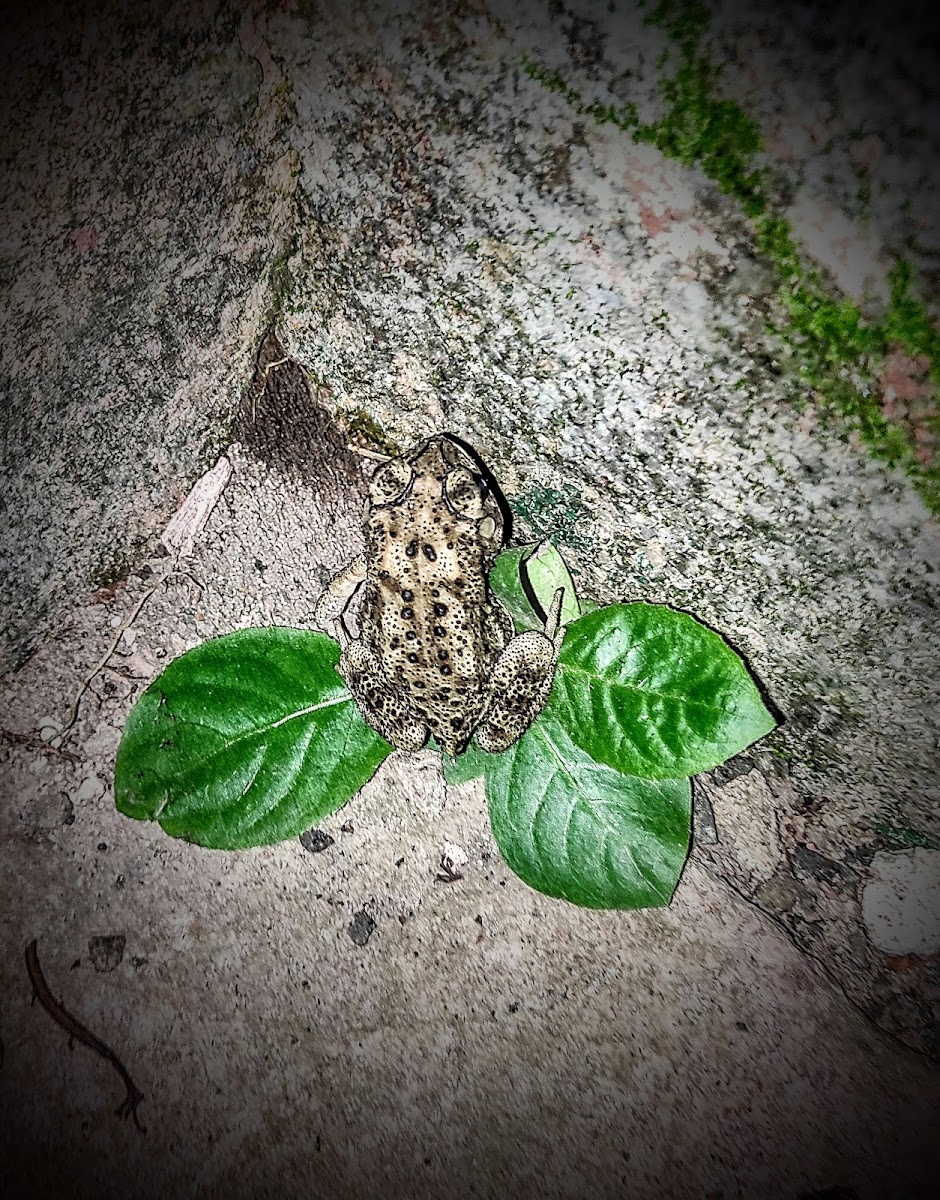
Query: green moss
{"points": [[362, 429], [281, 279], [553, 514], [898, 835], [907, 321], [838, 352], [698, 128]]}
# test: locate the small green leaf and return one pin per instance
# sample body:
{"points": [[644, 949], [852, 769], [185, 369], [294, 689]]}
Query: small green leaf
{"points": [[246, 740], [547, 571], [576, 829], [507, 586], [651, 692], [542, 568]]}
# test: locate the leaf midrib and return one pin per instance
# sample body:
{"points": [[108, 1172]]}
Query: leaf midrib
{"points": [[264, 729], [610, 833], [632, 687]]}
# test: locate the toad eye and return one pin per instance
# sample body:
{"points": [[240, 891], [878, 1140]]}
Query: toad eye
{"points": [[465, 493], [391, 481]]}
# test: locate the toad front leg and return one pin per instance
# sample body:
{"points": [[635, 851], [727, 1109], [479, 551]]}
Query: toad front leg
{"points": [[329, 609], [521, 682]]}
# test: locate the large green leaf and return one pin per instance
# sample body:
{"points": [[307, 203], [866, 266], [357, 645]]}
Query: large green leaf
{"points": [[574, 828], [651, 692], [248, 739]]}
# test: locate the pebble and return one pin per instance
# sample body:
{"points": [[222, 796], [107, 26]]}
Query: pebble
{"points": [[901, 902], [90, 788]]}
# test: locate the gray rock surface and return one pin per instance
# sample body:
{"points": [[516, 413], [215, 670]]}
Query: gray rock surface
{"points": [[145, 204], [442, 243]]}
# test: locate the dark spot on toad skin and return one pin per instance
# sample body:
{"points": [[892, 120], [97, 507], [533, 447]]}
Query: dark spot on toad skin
{"points": [[429, 553], [412, 548], [456, 722], [442, 654], [407, 595], [440, 631], [445, 670], [440, 610], [412, 658], [407, 614]]}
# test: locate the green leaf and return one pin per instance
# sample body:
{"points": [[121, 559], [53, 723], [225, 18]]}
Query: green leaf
{"points": [[576, 829], [246, 740], [506, 584], [535, 570], [470, 764], [546, 571], [651, 692]]}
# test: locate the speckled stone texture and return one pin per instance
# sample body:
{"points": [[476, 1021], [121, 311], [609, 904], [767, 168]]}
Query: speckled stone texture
{"points": [[144, 200], [442, 243]]}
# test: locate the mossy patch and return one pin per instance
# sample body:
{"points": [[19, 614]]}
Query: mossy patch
{"points": [[362, 430], [553, 514], [839, 353], [900, 837]]}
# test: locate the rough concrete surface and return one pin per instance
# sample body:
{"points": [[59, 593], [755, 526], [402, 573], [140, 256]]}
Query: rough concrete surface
{"points": [[440, 242]]}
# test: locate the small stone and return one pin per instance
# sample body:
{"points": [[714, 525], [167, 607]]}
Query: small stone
{"points": [[782, 892], [89, 789], [703, 819], [361, 927], [454, 855], [106, 952], [316, 841], [901, 902]]}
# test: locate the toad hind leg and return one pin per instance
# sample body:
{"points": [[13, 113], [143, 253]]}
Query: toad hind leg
{"points": [[521, 682], [388, 712]]}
